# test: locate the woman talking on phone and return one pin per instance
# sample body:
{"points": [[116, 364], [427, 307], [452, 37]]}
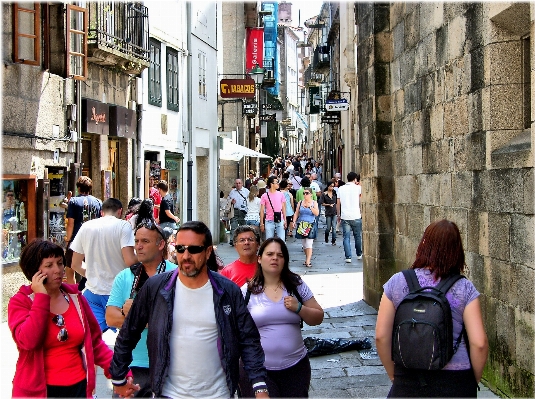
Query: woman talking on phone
{"points": [[57, 336]]}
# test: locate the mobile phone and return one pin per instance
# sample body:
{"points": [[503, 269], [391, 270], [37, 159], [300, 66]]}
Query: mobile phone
{"points": [[45, 280]]}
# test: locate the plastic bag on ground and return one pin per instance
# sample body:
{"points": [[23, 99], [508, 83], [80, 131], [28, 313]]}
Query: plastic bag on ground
{"points": [[320, 347]]}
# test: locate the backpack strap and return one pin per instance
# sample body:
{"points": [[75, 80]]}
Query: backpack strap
{"points": [[247, 296], [446, 283], [412, 280]]}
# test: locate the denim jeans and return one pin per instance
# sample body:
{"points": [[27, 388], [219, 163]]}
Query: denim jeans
{"points": [[331, 226], [272, 228], [252, 223], [356, 227]]}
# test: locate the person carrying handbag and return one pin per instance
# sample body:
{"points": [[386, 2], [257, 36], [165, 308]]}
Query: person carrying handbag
{"points": [[304, 219]]}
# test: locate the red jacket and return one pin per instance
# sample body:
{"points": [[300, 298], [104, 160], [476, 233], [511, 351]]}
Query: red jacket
{"points": [[26, 320]]}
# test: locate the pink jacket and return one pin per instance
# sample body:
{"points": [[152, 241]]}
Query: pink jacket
{"points": [[27, 315]]}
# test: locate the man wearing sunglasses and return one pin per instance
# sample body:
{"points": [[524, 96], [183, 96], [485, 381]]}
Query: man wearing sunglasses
{"points": [[151, 249], [246, 242], [198, 328]]}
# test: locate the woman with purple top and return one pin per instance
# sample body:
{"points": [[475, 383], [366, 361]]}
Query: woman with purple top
{"points": [[278, 300], [439, 255]]}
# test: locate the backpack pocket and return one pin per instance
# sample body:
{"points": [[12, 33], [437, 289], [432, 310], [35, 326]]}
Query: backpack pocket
{"points": [[416, 345]]}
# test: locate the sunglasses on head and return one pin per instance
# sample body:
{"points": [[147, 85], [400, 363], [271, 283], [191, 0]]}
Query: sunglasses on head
{"points": [[59, 321], [192, 249], [149, 224]]}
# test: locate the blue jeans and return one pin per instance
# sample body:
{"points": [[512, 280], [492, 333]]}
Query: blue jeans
{"points": [[98, 303], [356, 227], [331, 226], [252, 223], [272, 228]]}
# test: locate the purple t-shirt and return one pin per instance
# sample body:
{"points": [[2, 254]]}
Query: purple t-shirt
{"points": [[277, 199], [461, 294], [280, 331]]}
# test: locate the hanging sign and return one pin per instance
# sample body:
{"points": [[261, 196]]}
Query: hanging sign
{"points": [[336, 105], [254, 50], [249, 108], [267, 117], [330, 117], [237, 88]]}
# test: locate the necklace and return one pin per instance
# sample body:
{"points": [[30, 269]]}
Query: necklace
{"points": [[277, 288]]}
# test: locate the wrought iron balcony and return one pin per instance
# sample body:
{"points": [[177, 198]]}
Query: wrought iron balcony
{"points": [[119, 35], [321, 61]]}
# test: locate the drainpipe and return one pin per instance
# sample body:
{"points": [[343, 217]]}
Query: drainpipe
{"points": [[190, 115]]}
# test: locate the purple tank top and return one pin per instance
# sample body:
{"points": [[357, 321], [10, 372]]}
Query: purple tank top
{"points": [[461, 294]]}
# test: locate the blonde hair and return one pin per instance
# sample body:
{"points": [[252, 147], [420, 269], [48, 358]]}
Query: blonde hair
{"points": [[253, 192]]}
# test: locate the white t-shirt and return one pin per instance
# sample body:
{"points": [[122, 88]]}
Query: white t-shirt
{"points": [[101, 241], [195, 369], [253, 212], [240, 197], [349, 196], [315, 186]]}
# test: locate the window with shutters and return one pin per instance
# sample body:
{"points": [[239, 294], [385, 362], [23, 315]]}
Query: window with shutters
{"points": [[27, 33], [155, 73], [76, 31], [172, 79]]}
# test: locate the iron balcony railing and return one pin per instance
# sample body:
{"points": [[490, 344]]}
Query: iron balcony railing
{"points": [[321, 59], [120, 26]]}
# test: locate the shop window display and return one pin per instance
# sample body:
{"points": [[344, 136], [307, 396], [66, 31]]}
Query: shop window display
{"points": [[14, 221]]}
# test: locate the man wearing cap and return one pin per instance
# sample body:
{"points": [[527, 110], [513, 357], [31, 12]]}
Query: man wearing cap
{"points": [[238, 196], [151, 248]]}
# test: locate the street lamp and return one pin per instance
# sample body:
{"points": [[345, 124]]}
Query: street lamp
{"points": [[257, 74]]}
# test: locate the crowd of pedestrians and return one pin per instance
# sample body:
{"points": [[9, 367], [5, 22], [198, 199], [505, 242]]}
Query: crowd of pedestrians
{"points": [[190, 326], [290, 200]]}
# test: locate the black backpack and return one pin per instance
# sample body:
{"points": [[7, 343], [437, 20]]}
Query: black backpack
{"points": [[422, 336]]}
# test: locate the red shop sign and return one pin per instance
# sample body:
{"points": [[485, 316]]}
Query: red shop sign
{"points": [[254, 50]]}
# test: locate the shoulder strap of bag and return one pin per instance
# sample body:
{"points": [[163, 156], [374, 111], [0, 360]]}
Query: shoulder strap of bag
{"points": [[270, 201], [247, 296], [241, 195], [412, 280], [446, 283]]}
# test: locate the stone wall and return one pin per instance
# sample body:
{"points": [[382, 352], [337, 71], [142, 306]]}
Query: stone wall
{"points": [[456, 144]]}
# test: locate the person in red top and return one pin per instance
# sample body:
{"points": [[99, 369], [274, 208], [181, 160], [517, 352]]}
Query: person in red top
{"points": [[58, 338], [246, 242], [154, 195]]}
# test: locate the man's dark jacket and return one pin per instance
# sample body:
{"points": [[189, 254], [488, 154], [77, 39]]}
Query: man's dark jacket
{"points": [[237, 332]]}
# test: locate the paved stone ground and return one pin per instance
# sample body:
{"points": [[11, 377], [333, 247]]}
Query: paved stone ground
{"points": [[337, 286]]}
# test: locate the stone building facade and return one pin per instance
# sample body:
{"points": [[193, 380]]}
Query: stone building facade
{"points": [[445, 116]]}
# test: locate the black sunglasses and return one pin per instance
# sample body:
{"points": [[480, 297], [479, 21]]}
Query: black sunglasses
{"points": [[192, 249], [149, 224], [59, 321]]}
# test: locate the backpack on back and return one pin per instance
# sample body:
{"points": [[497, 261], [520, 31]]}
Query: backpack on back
{"points": [[422, 336]]}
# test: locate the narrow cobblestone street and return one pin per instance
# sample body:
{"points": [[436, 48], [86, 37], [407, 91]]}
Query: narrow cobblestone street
{"points": [[338, 288]]}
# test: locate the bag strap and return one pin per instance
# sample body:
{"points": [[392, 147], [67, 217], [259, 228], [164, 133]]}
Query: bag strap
{"points": [[412, 280], [446, 283], [270, 202], [247, 296], [241, 195]]}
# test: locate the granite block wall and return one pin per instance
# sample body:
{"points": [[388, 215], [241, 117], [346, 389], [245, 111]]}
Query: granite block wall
{"points": [[458, 145]]}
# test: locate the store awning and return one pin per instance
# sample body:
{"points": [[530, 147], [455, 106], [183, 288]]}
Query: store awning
{"points": [[235, 152]]}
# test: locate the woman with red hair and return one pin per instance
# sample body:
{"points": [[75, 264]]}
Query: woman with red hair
{"points": [[439, 255]]}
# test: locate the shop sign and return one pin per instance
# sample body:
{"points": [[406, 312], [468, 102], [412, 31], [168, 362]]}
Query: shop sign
{"points": [[267, 117], [123, 122], [330, 117], [336, 105], [95, 117], [250, 108], [290, 128], [254, 50], [237, 88]]}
